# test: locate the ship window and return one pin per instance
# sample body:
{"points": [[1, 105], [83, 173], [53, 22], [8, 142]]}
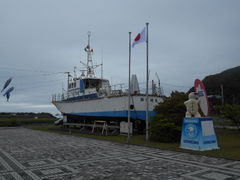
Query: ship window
{"points": [[156, 100], [142, 99], [151, 100], [92, 83]]}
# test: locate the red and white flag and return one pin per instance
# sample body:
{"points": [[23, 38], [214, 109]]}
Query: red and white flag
{"points": [[141, 37]]}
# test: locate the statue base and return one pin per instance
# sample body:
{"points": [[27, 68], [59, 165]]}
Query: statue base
{"points": [[198, 134]]}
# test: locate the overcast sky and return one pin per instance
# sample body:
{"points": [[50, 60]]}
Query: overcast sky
{"points": [[39, 39]]}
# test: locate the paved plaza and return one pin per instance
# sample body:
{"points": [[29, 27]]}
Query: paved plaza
{"points": [[28, 154]]}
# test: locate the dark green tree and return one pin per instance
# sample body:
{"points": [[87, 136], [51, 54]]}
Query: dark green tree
{"points": [[166, 125]]}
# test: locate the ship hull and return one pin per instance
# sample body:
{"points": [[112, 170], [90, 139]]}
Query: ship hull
{"points": [[109, 107]]}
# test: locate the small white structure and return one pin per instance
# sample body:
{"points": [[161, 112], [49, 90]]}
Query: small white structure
{"points": [[124, 127]]}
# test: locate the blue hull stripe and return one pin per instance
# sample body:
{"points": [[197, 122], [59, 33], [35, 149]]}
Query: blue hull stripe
{"points": [[134, 114], [89, 96]]}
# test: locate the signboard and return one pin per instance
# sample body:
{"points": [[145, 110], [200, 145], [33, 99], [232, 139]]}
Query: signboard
{"points": [[124, 127], [198, 134], [202, 97]]}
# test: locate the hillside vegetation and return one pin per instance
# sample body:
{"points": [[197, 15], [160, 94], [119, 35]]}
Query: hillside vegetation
{"points": [[230, 80]]}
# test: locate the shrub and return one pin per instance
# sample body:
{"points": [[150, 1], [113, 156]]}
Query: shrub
{"points": [[166, 125], [164, 130], [232, 112]]}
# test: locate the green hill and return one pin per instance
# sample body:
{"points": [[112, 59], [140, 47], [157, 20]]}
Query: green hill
{"points": [[230, 79]]}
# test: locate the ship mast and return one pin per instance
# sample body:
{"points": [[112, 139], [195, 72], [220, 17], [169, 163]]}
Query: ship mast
{"points": [[90, 67]]}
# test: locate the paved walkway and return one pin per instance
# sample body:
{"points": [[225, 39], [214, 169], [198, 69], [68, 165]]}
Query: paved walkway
{"points": [[28, 154]]}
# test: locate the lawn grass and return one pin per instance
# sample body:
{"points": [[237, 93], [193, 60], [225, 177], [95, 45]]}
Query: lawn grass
{"points": [[228, 141]]}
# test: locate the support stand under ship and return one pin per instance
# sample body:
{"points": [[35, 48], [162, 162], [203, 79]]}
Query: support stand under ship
{"points": [[89, 98]]}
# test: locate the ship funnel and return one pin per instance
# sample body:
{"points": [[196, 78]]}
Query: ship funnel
{"points": [[134, 85]]}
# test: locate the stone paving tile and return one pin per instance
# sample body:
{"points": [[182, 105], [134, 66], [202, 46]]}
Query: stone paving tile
{"points": [[28, 154]]}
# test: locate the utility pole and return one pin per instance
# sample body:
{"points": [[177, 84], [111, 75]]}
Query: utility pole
{"points": [[221, 86]]}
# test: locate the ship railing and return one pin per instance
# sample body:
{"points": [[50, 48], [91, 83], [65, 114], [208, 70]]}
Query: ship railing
{"points": [[117, 93], [59, 96], [109, 91], [66, 95]]}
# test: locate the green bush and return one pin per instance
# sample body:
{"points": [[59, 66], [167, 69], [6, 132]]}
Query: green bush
{"points": [[166, 125], [232, 112], [164, 130]]}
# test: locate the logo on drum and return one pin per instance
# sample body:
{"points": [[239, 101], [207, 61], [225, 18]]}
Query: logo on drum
{"points": [[191, 130]]}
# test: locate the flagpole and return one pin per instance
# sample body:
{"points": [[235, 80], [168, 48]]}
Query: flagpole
{"points": [[147, 77], [129, 89]]}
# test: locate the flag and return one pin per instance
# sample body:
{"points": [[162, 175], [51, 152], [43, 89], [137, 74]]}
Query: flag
{"points": [[6, 84], [7, 93], [141, 37]]}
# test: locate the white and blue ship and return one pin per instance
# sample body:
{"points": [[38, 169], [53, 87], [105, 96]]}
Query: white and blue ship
{"points": [[89, 98]]}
